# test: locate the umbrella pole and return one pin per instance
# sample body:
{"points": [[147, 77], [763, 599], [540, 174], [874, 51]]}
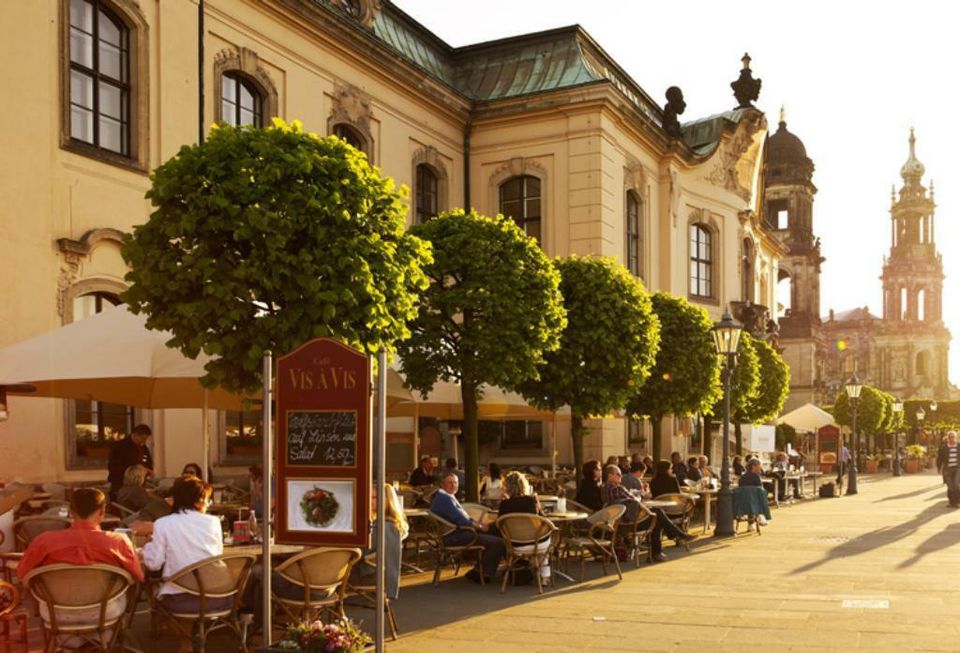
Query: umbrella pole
{"points": [[553, 446], [206, 434], [379, 455], [416, 436], [267, 617]]}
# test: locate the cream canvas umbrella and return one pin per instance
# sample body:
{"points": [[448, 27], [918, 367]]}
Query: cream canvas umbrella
{"points": [[112, 357], [807, 418]]}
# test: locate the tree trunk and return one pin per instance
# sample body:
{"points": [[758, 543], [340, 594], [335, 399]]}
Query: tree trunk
{"points": [[656, 421], [738, 436], [576, 433], [471, 443], [706, 436]]}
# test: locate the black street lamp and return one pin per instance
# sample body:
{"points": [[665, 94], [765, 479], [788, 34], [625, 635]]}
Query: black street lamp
{"points": [[897, 409], [726, 340], [853, 394]]}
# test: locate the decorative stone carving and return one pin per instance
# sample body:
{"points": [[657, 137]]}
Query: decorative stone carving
{"points": [[72, 252], [351, 106], [362, 10], [247, 62], [518, 166], [635, 178], [724, 172], [675, 192], [746, 89], [429, 156], [675, 106]]}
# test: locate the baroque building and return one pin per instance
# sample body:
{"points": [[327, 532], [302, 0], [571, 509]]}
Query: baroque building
{"points": [[546, 128], [905, 351]]}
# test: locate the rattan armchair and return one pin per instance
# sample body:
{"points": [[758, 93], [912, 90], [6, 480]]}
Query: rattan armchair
{"points": [[437, 529], [528, 538], [635, 535], [81, 604], [11, 610], [27, 528], [366, 592], [209, 581], [680, 512], [599, 540], [321, 574]]}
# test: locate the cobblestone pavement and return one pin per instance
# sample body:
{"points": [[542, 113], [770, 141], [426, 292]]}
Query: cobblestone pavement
{"points": [[889, 554]]}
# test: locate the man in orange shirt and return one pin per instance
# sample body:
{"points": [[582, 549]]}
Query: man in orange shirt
{"points": [[83, 543]]}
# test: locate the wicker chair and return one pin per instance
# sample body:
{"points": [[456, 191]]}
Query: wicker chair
{"points": [[218, 577], [528, 538], [322, 575], [599, 540], [680, 512], [437, 529], [27, 528], [11, 610], [635, 535], [81, 604], [367, 594]]}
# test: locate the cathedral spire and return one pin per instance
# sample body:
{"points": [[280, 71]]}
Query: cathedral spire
{"points": [[912, 170]]}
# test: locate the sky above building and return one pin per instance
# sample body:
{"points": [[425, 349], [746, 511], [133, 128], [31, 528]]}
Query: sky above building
{"points": [[853, 76]]}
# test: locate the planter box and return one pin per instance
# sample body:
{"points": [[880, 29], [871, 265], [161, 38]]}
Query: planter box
{"points": [[911, 466], [872, 466]]}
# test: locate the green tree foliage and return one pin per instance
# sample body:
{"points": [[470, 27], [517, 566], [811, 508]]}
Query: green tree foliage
{"points": [[772, 387], [686, 377], [783, 434], [607, 348], [873, 408], [491, 312], [744, 387], [265, 238]]}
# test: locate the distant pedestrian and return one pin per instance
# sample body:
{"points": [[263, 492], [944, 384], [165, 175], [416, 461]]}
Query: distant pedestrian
{"points": [[844, 461], [948, 462]]}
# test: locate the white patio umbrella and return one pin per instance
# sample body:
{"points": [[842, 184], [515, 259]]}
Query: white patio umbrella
{"points": [[807, 418], [112, 357]]}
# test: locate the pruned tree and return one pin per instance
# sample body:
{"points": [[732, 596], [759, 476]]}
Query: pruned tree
{"points": [[493, 309], [744, 387], [685, 377], [772, 388], [265, 238], [607, 348]]}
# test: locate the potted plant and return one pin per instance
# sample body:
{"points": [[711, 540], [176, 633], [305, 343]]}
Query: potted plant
{"points": [[872, 465], [317, 637], [915, 452]]}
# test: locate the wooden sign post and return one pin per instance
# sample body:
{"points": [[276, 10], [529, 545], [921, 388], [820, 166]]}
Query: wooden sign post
{"points": [[323, 445]]}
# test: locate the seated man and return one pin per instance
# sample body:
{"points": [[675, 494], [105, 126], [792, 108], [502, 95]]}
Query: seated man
{"points": [[446, 506], [679, 469], [693, 469], [614, 493], [422, 475], [83, 544], [634, 480]]}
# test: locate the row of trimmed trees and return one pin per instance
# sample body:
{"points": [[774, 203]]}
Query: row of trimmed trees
{"points": [[876, 418], [265, 238]]}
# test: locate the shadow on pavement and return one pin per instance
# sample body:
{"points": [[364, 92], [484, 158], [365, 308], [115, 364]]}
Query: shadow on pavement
{"points": [[875, 539], [908, 495], [937, 542]]}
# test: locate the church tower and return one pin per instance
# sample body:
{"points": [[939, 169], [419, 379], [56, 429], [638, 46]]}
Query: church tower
{"points": [[913, 290], [788, 211]]}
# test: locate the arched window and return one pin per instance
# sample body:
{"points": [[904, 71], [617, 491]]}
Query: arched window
{"points": [[241, 103], [350, 135], [96, 424], [520, 200], [701, 261], [784, 294], [426, 199], [921, 305], [99, 77], [903, 304], [634, 235]]}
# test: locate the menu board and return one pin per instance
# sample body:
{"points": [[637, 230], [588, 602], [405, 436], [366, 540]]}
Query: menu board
{"points": [[322, 437], [323, 398]]}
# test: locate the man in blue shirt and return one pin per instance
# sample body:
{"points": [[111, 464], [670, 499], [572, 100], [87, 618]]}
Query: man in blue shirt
{"points": [[446, 506]]}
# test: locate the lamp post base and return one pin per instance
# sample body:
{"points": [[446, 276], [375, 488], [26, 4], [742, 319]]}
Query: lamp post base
{"points": [[724, 513], [852, 479]]}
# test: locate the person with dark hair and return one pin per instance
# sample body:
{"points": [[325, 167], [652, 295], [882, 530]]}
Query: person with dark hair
{"points": [[588, 494], [663, 481], [83, 543], [679, 469], [693, 469], [648, 463], [126, 453], [446, 506], [751, 477], [183, 538], [422, 475], [634, 480], [491, 488], [738, 467], [193, 469]]}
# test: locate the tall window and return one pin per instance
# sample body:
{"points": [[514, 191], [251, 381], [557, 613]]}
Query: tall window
{"points": [[350, 135], [99, 77], [242, 439], [634, 235], [96, 424], [241, 102], [426, 201], [635, 430], [520, 200], [701, 261]]}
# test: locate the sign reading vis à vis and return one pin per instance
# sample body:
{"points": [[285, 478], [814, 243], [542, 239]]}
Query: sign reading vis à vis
{"points": [[323, 445]]}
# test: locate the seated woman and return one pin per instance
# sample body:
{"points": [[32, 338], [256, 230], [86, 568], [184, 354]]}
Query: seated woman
{"points": [[779, 469], [491, 488], [520, 499], [752, 502], [363, 573], [705, 469], [132, 494], [192, 469], [693, 469], [588, 494], [183, 538], [663, 481], [738, 467]]}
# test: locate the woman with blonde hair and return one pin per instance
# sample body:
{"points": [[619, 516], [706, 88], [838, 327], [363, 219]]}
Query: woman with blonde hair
{"points": [[397, 529], [132, 494], [521, 500]]}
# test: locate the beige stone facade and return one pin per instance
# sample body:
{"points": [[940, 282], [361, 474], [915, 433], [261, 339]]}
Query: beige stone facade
{"points": [[566, 116]]}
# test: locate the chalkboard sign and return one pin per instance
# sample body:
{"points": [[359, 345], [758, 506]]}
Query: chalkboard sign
{"points": [[322, 438]]}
